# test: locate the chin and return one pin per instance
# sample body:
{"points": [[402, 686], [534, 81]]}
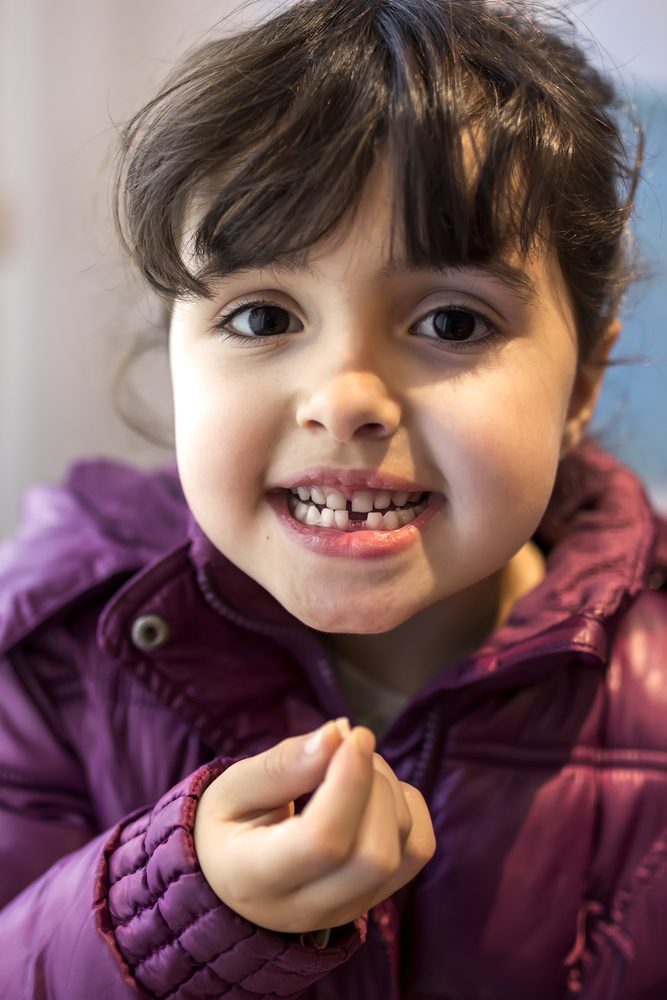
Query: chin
{"points": [[350, 616]]}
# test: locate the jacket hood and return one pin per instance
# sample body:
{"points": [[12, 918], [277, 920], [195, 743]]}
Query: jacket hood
{"points": [[103, 523]]}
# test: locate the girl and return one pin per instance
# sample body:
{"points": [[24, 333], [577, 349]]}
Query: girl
{"points": [[392, 237]]}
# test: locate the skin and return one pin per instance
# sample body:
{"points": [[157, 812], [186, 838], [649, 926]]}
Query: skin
{"points": [[361, 381], [361, 837]]}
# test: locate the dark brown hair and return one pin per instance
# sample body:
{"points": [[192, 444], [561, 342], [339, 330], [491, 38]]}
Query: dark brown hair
{"points": [[274, 132]]}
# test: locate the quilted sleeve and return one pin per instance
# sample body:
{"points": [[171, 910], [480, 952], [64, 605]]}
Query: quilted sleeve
{"points": [[172, 934], [124, 913]]}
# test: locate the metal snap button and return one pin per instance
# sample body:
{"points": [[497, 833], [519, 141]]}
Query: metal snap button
{"points": [[150, 632]]}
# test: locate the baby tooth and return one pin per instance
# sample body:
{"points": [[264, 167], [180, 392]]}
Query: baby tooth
{"points": [[341, 519], [400, 499], [362, 503], [313, 515], [374, 520], [382, 501], [414, 497], [390, 520], [405, 516], [304, 493], [317, 495], [336, 501], [327, 518]]}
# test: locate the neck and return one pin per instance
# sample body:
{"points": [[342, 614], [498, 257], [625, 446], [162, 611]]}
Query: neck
{"points": [[408, 657]]}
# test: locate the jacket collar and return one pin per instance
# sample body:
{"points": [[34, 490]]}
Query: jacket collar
{"points": [[601, 540], [100, 526], [599, 534]]}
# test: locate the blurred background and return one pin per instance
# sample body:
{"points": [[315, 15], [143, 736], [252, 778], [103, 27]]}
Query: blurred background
{"points": [[70, 310]]}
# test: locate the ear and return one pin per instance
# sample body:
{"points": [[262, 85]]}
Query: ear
{"points": [[586, 390]]}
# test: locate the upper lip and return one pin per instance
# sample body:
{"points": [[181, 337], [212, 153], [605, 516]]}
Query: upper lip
{"points": [[346, 480]]}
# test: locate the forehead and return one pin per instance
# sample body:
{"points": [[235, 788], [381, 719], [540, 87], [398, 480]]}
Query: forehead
{"points": [[519, 279]]}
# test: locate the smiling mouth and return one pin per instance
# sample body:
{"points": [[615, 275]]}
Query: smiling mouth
{"points": [[365, 510]]}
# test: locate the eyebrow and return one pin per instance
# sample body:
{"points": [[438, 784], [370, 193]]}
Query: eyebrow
{"points": [[517, 280], [289, 264]]}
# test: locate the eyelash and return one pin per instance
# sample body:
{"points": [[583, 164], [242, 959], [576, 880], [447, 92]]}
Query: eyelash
{"points": [[220, 325], [494, 334]]}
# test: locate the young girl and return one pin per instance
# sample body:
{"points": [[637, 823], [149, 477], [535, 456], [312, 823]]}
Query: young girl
{"points": [[392, 237]]}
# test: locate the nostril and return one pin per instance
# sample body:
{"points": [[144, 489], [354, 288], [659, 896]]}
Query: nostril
{"points": [[347, 409]]}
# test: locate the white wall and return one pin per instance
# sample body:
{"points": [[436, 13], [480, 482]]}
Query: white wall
{"points": [[631, 34], [68, 70]]}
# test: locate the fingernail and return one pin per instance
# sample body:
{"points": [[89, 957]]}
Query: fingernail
{"points": [[315, 740], [343, 726], [364, 740]]}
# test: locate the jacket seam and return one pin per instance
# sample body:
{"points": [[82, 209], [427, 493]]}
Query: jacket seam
{"points": [[19, 778], [582, 758], [557, 645]]}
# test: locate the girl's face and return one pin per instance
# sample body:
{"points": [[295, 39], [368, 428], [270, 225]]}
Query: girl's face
{"points": [[459, 387]]}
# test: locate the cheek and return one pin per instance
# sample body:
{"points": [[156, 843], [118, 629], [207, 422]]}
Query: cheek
{"points": [[222, 445], [498, 440]]}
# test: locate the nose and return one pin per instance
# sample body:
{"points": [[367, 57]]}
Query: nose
{"points": [[350, 405]]}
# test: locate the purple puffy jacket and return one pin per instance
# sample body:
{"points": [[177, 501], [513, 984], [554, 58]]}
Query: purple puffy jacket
{"points": [[136, 664]]}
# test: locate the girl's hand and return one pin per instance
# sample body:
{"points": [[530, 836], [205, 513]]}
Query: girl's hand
{"points": [[362, 835]]}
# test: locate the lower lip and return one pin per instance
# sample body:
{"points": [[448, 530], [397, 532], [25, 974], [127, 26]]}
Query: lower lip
{"points": [[362, 543]]}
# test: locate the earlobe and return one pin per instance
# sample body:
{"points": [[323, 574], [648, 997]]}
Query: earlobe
{"points": [[586, 390], [569, 440]]}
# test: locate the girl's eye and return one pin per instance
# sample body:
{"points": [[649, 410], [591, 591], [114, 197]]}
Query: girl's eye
{"points": [[255, 320], [457, 325]]}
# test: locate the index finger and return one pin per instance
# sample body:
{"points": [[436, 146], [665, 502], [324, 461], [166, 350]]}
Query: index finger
{"points": [[319, 839]]}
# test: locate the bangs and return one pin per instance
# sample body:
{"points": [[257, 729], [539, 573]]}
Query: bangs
{"points": [[269, 171], [494, 129], [453, 173], [452, 204]]}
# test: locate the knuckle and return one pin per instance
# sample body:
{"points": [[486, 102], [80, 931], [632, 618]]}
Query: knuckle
{"points": [[406, 826], [327, 847], [237, 890], [381, 864]]}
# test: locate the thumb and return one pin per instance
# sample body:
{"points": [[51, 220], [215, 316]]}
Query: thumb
{"points": [[282, 773]]}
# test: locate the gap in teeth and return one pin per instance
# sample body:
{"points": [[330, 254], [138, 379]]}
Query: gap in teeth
{"points": [[361, 502], [314, 515]]}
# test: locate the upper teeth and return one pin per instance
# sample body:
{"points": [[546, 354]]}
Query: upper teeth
{"points": [[362, 501]]}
